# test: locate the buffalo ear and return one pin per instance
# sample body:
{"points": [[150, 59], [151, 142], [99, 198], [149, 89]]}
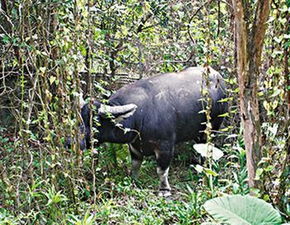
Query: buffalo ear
{"points": [[118, 112]]}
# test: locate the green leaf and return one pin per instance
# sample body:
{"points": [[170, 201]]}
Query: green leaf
{"points": [[269, 168], [242, 210], [208, 223], [5, 39], [259, 172], [52, 79], [210, 172], [42, 69]]}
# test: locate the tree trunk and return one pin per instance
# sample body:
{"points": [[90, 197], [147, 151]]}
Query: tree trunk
{"points": [[249, 49]]}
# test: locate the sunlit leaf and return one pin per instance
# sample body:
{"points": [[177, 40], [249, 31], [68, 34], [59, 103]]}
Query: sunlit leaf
{"points": [[242, 210], [205, 149]]}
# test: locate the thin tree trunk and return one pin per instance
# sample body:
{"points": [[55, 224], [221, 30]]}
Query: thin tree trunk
{"points": [[249, 49]]}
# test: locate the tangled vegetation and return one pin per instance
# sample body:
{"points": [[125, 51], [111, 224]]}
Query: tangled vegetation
{"points": [[53, 53]]}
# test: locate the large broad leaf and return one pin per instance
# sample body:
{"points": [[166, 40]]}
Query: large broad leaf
{"points": [[242, 210], [204, 149]]}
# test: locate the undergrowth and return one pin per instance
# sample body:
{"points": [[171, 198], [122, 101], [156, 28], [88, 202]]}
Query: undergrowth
{"points": [[118, 199]]}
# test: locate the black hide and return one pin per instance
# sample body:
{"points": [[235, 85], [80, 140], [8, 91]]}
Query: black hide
{"points": [[168, 112]]}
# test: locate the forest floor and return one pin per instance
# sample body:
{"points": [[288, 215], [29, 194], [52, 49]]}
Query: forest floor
{"points": [[119, 199], [123, 201]]}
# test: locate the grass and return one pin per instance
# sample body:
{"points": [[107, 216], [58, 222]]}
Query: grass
{"points": [[130, 203], [123, 201], [119, 199]]}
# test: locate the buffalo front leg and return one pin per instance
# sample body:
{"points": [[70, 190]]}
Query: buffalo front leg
{"points": [[137, 159], [164, 189], [164, 157]]}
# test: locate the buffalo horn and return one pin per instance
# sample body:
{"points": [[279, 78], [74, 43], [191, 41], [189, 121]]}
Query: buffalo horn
{"points": [[117, 110]]}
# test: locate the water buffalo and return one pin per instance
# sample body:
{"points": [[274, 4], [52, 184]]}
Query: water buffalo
{"points": [[152, 115]]}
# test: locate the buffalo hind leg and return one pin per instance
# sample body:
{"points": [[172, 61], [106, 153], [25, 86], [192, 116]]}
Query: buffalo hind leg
{"points": [[164, 157], [137, 159]]}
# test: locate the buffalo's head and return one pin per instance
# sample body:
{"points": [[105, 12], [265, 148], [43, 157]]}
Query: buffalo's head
{"points": [[106, 119]]}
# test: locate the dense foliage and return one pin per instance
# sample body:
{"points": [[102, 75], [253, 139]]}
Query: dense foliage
{"points": [[52, 52]]}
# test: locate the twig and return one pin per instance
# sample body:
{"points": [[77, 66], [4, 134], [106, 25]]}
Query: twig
{"points": [[197, 11]]}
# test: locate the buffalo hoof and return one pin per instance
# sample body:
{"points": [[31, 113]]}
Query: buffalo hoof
{"points": [[164, 193]]}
